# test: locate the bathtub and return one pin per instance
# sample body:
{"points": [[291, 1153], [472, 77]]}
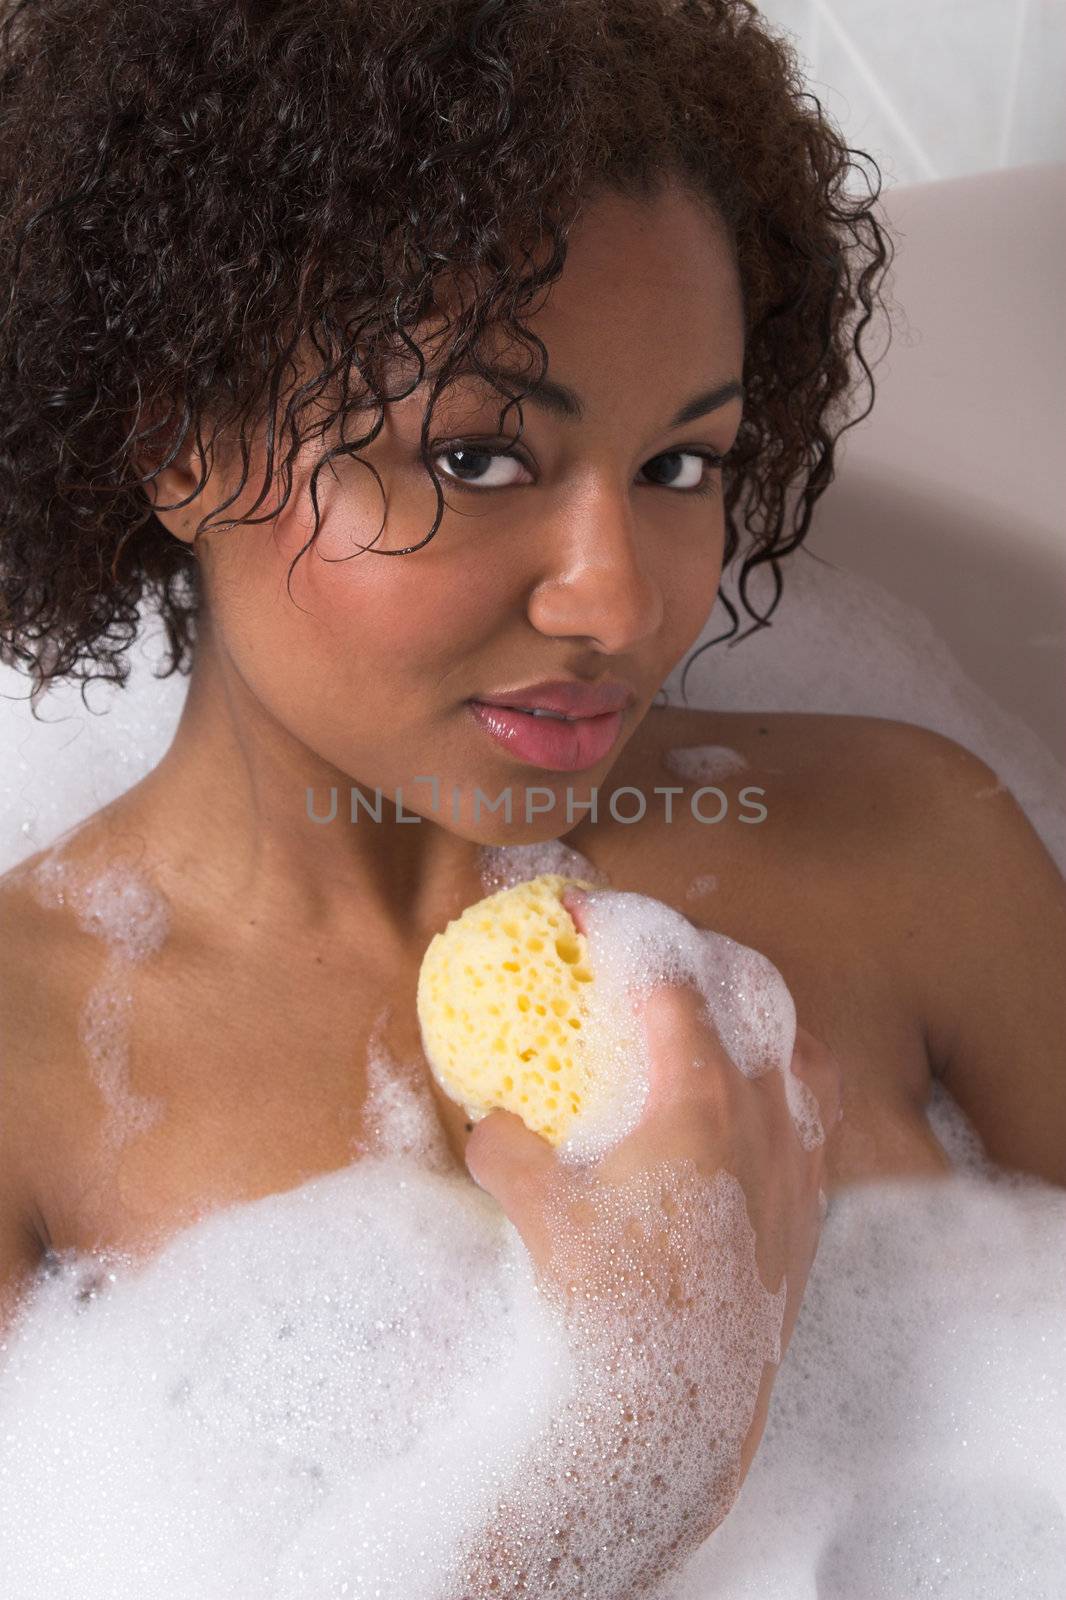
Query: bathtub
{"points": [[931, 588], [950, 493]]}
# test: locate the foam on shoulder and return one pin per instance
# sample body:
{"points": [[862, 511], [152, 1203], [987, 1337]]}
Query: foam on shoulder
{"points": [[705, 763], [111, 902], [504, 866]]}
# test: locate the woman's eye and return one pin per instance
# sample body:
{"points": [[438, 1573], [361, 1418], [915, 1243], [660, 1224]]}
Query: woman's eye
{"points": [[471, 461], [703, 465]]}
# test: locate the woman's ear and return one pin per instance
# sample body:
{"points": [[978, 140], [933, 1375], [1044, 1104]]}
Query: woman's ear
{"points": [[183, 491]]}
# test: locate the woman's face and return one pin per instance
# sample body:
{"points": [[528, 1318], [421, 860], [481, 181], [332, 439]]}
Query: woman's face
{"points": [[587, 553]]}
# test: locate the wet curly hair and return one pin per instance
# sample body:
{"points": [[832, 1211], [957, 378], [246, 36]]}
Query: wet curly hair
{"points": [[191, 193]]}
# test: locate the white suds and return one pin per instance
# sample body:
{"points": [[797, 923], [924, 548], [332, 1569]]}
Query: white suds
{"points": [[704, 763], [916, 1440], [357, 1388], [502, 866], [277, 1404], [114, 904], [399, 1115], [119, 907]]}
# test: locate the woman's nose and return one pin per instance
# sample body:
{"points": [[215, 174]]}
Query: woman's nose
{"points": [[598, 587]]}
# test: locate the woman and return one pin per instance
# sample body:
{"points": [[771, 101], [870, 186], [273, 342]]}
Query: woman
{"points": [[246, 246]]}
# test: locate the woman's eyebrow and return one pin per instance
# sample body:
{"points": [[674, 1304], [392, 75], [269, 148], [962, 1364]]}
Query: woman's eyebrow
{"points": [[559, 400]]}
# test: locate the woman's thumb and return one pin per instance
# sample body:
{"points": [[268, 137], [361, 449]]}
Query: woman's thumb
{"points": [[575, 902], [510, 1162]]}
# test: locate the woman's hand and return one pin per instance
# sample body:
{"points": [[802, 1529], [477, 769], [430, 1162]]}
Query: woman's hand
{"points": [[702, 1117], [701, 1107]]}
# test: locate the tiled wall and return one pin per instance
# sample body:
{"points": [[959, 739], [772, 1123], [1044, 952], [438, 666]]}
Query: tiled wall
{"points": [[936, 88]]}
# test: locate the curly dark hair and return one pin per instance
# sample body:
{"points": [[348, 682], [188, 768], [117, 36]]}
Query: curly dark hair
{"points": [[193, 192]]}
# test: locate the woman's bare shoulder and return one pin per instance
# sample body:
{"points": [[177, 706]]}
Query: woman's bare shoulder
{"points": [[873, 825], [825, 764], [26, 956], [989, 902], [797, 808], [39, 937], [41, 895], [48, 962], [890, 798], [813, 731], [918, 849]]}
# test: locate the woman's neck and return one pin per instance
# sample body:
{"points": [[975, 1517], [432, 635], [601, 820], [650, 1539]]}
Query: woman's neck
{"points": [[246, 819]]}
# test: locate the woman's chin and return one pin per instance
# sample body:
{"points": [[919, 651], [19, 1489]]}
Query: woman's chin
{"points": [[531, 807]]}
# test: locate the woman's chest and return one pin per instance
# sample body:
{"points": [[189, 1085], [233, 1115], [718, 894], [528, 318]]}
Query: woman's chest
{"points": [[162, 1135]]}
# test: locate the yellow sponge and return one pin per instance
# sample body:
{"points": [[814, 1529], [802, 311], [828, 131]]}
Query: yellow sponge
{"points": [[503, 1006]]}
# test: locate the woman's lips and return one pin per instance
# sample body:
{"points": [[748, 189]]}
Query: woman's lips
{"points": [[547, 741]]}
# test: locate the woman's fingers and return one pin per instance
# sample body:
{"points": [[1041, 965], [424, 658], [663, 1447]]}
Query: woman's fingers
{"points": [[816, 1065], [574, 902], [522, 1173], [686, 1053]]}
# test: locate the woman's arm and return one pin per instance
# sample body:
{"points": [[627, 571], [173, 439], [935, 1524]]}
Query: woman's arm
{"points": [[990, 961], [20, 1247], [674, 1266], [509, 1556]]}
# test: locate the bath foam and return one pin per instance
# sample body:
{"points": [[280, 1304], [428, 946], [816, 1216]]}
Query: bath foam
{"points": [[705, 763], [636, 943], [354, 1384], [113, 902], [399, 1115], [117, 905], [277, 1404], [319, 1359], [501, 866], [915, 1444], [521, 1011]]}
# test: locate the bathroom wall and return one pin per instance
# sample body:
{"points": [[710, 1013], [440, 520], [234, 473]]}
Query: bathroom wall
{"points": [[936, 88]]}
